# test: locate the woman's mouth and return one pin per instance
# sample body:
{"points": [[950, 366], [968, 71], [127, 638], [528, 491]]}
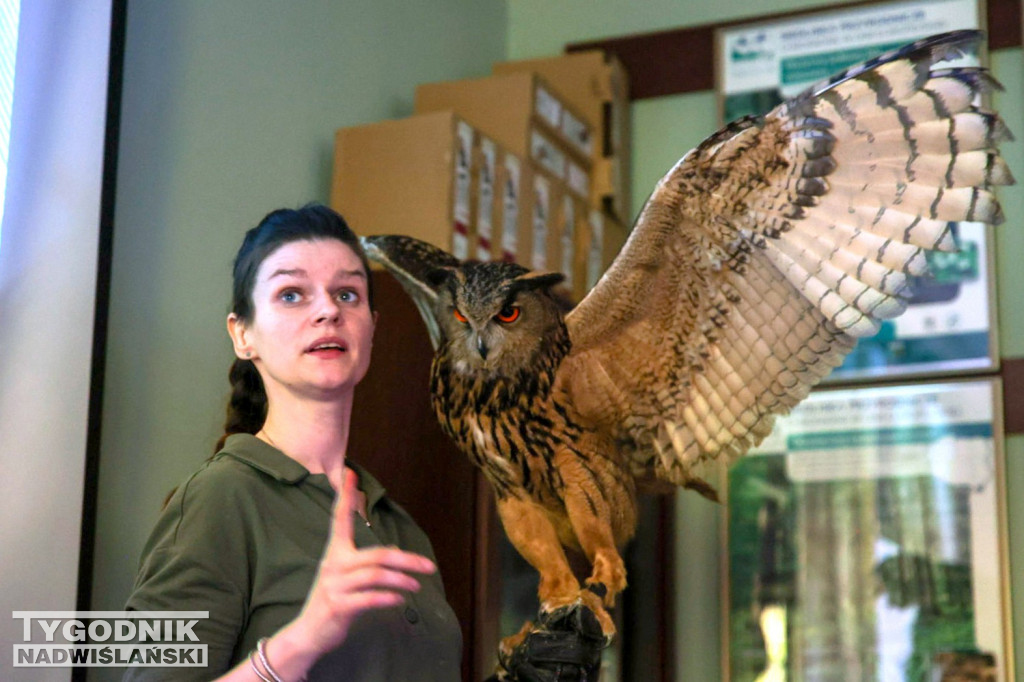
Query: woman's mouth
{"points": [[328, 348]]}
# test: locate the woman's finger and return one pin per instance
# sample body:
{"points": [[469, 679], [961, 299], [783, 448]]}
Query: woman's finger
{"points": [[340, 537], [387, 557], [341, 544], [373, 599], [342, 583]]}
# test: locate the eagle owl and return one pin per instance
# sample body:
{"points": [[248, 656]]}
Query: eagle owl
{"points": [[757, 262]]}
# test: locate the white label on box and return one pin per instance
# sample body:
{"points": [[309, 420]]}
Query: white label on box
{"points": [[463, 179], [594, 257], [548, 107], [485, 199], [568, 237], [510, 210], [541, 216], [577, 132], [460, 244], [578, 180], [547, 154]]}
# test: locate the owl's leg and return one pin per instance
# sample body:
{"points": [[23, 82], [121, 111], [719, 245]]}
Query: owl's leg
{"points": [[532, 533], [608, 574], [592, 499]]}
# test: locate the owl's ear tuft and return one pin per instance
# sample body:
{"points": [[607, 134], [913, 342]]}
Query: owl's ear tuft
{"points": [[438, 277], [538, 280]]}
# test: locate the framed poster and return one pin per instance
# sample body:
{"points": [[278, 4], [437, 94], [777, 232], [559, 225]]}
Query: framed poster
{"points": [[949, 326], [867, 539]]}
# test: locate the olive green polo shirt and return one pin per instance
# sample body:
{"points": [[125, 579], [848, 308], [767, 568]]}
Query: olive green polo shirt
{"points": [[242, 539]]}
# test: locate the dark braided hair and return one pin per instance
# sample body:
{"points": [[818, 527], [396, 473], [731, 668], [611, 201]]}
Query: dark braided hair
{"points": [[247, 406]]}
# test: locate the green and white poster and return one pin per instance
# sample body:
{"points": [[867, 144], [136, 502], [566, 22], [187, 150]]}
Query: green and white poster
{"points": [[867, 540]]}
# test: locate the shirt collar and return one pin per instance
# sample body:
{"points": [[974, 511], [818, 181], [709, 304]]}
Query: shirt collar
{"points": [[370, 486], [264, 457]]}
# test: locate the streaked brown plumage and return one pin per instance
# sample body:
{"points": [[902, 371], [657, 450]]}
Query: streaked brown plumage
{"points": [[752, 269]]}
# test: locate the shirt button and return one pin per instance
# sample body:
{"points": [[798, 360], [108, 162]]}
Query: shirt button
{"points": [[411, 615]]}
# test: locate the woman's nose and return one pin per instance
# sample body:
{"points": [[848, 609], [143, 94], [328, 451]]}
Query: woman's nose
{"points": [[328, 309]]}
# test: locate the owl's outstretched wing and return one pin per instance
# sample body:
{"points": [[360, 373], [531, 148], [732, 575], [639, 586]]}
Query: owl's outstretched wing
{"points": [[412, 261], [766, 251]]}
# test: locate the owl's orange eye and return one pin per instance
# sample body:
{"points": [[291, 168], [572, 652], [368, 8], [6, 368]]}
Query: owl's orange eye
{"points": [[509, 314], [459, 316]]}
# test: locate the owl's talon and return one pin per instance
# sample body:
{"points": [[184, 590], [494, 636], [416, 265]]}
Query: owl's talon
{"points": [[557, 608], [564, 644], [512, 642], [581, 618], [609, 576]]}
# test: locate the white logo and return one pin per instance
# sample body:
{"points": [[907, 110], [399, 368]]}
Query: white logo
{"points": [[160, 639]]}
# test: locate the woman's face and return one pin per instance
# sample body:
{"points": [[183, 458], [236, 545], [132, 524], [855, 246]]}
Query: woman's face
{"points": [[312, 327]]}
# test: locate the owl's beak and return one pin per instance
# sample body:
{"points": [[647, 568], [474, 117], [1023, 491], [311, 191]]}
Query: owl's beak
{"points": [[481, 347]]}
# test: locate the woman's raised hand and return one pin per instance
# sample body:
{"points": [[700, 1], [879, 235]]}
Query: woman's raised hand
{"points": [[349, 582]]}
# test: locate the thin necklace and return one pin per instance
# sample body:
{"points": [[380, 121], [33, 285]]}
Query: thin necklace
{"points": [[271, 441]]}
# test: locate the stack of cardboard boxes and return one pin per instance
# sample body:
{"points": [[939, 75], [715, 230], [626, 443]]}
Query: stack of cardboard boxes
{"points": [[529, 165]]}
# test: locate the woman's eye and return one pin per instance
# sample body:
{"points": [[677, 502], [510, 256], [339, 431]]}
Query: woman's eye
{"points": [[348, 296], [290, 296]]}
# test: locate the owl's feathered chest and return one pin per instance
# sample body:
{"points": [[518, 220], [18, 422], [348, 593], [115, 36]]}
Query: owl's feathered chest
{"points": [[509, 426]]}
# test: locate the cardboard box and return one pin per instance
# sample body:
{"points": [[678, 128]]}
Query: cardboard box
{"points": [[565, 168], [597, 86], [515, 179], [565, 232], [410, 176], [575, 248], [523, 114], [488, 199], [542, 201], [571, 255], [434, 177], [558, 231]]}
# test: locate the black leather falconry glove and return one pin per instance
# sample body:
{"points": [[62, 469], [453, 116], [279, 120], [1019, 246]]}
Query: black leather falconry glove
{"points": [[564, 646]]}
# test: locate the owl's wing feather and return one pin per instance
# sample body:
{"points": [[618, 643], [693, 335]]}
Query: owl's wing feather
{"points": [[766, 251], [412, 262]]}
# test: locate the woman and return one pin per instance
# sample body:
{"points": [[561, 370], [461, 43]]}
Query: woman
{"points": [[244, 537], [301, 582]]}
